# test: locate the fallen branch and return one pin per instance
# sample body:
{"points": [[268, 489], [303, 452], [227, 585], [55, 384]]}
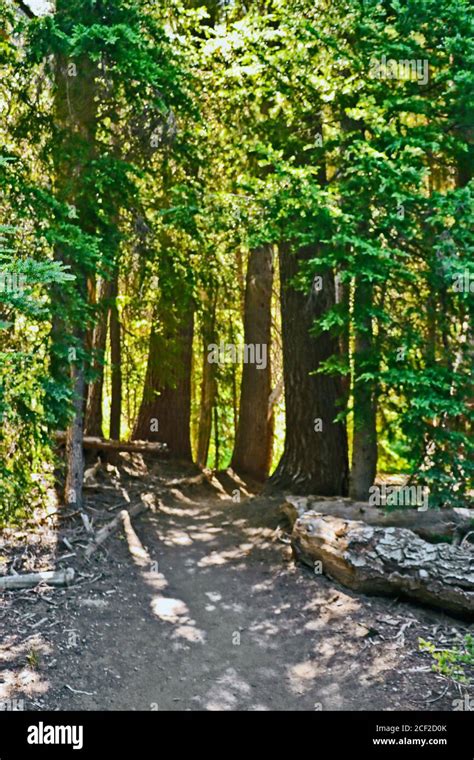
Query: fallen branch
{"points": [[78, 691], [432, 525], [30, 580], [98, 444], [114, 525], [392, 561]]}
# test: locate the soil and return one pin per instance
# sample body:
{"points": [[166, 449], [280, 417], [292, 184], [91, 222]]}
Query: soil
{"points": [[202, 607]]}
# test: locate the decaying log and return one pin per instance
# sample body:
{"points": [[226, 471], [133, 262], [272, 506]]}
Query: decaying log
{"points": [[98, 444], [433, 525], [114, 525], [30, 580], [392, 561]]}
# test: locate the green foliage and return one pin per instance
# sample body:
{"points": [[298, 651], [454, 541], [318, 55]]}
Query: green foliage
{"points": [[456, 663], [375, 174], [23, 373], [213, 129]]}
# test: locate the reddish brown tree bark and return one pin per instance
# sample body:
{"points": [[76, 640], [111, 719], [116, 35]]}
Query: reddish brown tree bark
{"points": [[165, 411], [315, 456], [254, 439]]}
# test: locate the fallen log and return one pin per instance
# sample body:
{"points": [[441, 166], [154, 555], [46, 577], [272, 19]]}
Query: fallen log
{"points": [[114, 525], [30, 580], [431, 525], [98, 444], [387, 561]]}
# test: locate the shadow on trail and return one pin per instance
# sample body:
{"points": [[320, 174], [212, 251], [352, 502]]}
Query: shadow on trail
{"points": [[199, 606]]}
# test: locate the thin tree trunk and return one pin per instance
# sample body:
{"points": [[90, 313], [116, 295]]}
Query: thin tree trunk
{"points": [[74, 449], [208, 390], [165, 412], [235, 405], [240, 270], [364, 447], [465, 348], [92, 300], [216, 438], [343, 292], [254, 440], [315, 454], [94, 423], [76, 115], [116, 361]]}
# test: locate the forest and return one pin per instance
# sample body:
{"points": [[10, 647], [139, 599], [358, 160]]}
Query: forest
{"points": [[237, 274]]}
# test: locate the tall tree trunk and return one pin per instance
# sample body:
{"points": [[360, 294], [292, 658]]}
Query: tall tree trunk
{"points": [[76, 116], [343, 298], [216, 438], [315, 454], [254, 440], [465, 166], [75, 433], [116, 361], [94, 423], [364, 442], [165, 412], [208, 388]]}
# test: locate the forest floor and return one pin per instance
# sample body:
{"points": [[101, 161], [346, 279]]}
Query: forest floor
{"points": [[210, 613]]}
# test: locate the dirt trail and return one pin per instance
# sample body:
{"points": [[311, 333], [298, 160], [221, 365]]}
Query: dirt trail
{"points": [[210, 613]]}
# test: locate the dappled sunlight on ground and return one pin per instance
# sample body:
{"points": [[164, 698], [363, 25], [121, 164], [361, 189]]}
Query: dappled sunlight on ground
{"points": [[263, 587], [223, 557], [263, 632], [176, 612], [169, 610], [180, 496], [225, 693], [197, 605], [22, 676], [154, 580], [302, 675], [23, 681], [383, 661], [177, 538]]}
